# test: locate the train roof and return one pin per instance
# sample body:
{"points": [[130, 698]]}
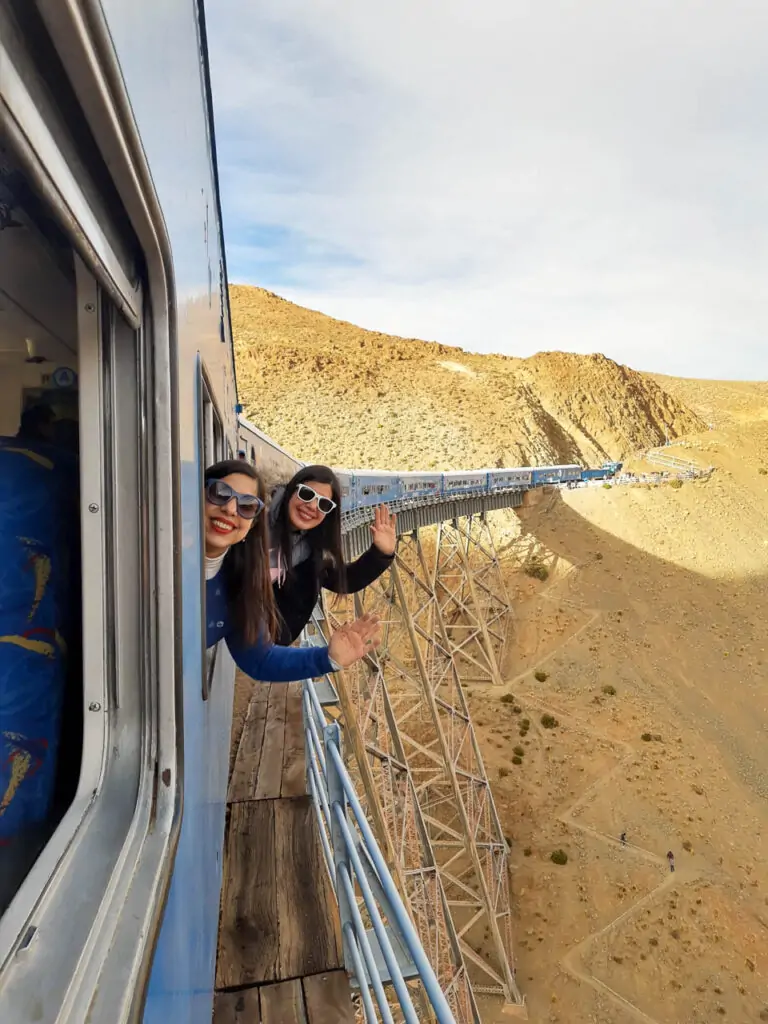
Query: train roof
{"points": [[243, 422]]}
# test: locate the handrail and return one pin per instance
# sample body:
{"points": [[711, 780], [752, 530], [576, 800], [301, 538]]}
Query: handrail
{"points": [[389, 953]]}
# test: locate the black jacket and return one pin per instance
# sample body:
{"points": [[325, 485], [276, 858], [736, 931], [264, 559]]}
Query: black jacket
{"points": [[298, 595]]}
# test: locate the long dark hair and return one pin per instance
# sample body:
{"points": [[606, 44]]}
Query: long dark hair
{"points": [[245, 570], [325, 538]]}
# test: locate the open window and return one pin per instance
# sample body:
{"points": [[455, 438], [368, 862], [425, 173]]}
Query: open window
{"points": [[212, 448], [41, 670], [70, 469], [213, 441], [70, 514]]}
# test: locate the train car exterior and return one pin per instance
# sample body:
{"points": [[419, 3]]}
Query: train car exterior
{"points": [[420, 485], [502, 479], [274, 463], [556, 474], [347, 482], [607, 471], [465, 482], [372, 487]]}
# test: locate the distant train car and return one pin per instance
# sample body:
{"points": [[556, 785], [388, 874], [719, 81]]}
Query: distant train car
{"points": [[465, 481], [372, 487], [503, 479], [607, 471], [347, 481], [274, 463], [556, 474], [420, 485]]}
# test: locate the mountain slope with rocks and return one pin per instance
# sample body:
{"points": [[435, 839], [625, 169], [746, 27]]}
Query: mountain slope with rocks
{"points": [[332, 392]]}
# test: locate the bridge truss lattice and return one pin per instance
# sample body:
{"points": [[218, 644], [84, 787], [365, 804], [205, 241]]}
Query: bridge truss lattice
{"points": [[413, 749]]}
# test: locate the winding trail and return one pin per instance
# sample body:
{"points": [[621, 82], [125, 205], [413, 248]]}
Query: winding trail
{"points": [[572, 962]]}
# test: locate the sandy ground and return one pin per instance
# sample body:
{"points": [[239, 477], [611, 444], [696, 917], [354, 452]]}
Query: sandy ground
{"points": [[653, 623]]}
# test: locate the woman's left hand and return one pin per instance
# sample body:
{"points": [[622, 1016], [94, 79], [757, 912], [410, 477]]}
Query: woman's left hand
{"points": [[383, 530], [352, 641]]}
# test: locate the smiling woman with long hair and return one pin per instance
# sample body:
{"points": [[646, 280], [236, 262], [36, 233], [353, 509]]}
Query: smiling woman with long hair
{"points": [[239, 601], [306, 554]]}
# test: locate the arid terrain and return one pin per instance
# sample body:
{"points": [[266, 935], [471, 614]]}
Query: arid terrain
{"points": [[334, 393], [648, 639]]}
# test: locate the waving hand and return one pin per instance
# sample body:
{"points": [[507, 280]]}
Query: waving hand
{"points": [[383, 530], [355, 639]]}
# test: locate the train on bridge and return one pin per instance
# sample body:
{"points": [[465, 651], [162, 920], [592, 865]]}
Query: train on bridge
{"points": [[370, 487], [367, 487]]}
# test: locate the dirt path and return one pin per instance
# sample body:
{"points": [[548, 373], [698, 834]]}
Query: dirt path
{"points": [[572, 962]]}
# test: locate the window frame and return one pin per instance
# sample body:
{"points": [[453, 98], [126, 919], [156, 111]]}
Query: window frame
{"points": [[97, 825], [211, 441]]}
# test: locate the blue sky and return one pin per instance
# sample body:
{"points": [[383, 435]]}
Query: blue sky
{"points": [[507, 176]]}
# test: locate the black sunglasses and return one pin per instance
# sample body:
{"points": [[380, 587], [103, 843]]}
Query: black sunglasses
{"points": [[220, 494], [309, 494]]}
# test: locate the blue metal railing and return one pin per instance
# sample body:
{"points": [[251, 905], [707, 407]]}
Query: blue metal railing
{"points": [[389, 953]]}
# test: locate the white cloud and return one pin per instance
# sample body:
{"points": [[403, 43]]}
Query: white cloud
{"points": [[504, 175]]}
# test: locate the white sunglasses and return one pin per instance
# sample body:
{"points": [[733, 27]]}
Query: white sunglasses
{"points": [[309, 494]]}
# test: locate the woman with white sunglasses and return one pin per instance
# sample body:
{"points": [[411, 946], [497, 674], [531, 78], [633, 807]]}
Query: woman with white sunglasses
{"points": [[305, 547], [239, 605]]}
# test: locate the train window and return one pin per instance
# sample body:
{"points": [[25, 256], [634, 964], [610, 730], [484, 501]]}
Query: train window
{"points": [[70, 499], [40, 621], [212, 447], [213, 429]]}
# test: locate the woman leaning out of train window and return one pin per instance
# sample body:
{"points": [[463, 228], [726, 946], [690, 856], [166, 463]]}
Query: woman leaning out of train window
{"points": [[305, 547], [239, 602]]}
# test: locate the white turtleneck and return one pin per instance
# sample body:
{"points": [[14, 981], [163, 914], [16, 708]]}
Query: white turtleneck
{"points": [[212, 565]]}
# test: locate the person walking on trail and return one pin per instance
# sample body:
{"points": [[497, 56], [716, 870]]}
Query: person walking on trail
{"points": [[671, 859], [623, 838]]}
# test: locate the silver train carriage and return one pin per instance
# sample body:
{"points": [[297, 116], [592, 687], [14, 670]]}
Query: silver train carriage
{"points": [[555, 474], [464, 482], [274, 463], [118, 387]]}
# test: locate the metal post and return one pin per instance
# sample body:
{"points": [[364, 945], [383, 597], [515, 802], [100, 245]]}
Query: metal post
{"points": [[331, 735]]}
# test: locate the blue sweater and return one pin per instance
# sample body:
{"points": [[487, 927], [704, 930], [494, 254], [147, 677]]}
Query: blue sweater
{"points": [[264, 660]]}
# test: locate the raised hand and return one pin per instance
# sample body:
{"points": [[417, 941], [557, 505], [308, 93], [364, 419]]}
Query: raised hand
{"points": [[355, 639], [383, 530]]}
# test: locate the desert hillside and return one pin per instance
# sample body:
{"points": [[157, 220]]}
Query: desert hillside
{"points": [[332, 392], [721, 403], [645, 646], [648, 640]]}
